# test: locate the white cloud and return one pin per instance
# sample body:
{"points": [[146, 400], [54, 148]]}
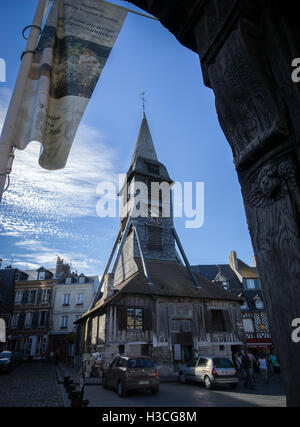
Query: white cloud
{"points": [[39, 201]]}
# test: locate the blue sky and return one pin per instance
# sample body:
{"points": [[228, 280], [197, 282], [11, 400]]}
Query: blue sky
{"points": [[49, 213]]}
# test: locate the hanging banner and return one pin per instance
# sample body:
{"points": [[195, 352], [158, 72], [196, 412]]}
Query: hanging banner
{"points": [[71, 54]]}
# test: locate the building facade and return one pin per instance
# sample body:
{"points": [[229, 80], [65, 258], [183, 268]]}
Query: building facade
{"points": [[151, 303], [7, 286], [73, 296], [46, 302], [243, 280], [31, 320]]}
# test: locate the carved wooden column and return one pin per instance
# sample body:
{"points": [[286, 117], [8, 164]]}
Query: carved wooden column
{"points": [[246, 48]]}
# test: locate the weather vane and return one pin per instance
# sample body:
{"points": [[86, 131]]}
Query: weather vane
{"points": [[144, 100]]}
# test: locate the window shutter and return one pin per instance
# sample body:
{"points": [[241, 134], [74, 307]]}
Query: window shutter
{"points": [[122, 318], [21, 320], [25, 297], [50, 296], [35, 319], [47, 318], [227, 322], [39, 296], [154, 237], [147, 324]]}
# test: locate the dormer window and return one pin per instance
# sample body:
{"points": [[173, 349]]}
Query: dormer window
{"points": [[225, 284], [68, 281], [244, 306], [81, 280], [41, 275], [259, 304]]}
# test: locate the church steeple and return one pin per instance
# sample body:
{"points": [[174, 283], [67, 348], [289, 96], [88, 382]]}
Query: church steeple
{"points": [[144, 146]]}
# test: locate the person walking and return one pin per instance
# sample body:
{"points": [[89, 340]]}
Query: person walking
{"points": [[246, 364], [263, 367], [275, 365], [253, 361]]}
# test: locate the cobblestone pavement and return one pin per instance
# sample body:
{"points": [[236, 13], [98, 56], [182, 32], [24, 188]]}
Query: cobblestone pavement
{"points": [[191, 395], [31, 384]]}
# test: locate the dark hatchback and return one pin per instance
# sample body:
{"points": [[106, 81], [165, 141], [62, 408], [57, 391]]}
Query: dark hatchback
{"points": [[126, 374]]}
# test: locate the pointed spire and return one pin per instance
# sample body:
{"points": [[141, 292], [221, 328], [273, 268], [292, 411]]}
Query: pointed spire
{"points": [[144, 146]]}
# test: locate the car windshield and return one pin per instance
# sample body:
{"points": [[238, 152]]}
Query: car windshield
{"points": [[140, 363], [220, 362], [5, 355]]}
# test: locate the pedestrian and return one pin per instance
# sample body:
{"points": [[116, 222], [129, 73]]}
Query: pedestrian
{"points": [[246, 364], [263, 367], [253, 361], [275, 365]]}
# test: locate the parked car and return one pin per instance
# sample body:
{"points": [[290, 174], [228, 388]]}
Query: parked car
{"points": [[131, 373], [210, 371], [7, 361]]}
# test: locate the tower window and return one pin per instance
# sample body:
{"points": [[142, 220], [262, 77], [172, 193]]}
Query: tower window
{"points": [[153, 168], [154, 237]]}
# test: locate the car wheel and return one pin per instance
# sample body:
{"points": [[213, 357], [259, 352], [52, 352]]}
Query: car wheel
{"points": [[120, 389], [233, 385], [155, 390], [207, 383], [182, 378], [104, 382]]}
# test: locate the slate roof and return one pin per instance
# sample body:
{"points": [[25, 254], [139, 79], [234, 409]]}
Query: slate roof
{"points": [[211, 271], [170, 279]]}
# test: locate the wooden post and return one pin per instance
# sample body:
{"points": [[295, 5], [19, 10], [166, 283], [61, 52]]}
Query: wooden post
{"points": [[246, 49]]}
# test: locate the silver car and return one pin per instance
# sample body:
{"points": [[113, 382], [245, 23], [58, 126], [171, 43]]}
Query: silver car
{"points": [[209, 370]]}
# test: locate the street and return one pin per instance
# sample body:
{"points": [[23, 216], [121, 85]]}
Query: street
{"points": [[191, 395], [36, 385], [31, 385]]}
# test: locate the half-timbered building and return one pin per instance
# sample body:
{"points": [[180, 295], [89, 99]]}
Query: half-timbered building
{"points": [[149, 301]]}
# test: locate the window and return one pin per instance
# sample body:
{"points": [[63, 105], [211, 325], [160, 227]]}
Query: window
{"points": [[19, 296], [250, 283], [44, 319], [64, 322], [79, 299], [217, 320], [259, 304], [192, 363], [46, 295], [15, 320], [135, 318], [248, 325], [31, 298], [81, 279], [141, 363], [202, 362], [220, 362], [225, 284], [244, 306], [41, 275], [68, 281], [66, 299]]}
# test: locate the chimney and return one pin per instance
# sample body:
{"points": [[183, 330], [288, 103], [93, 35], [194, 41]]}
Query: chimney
{"points": [[108, 285], [233, 260], [61, 267], [254, 261]]}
